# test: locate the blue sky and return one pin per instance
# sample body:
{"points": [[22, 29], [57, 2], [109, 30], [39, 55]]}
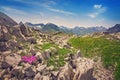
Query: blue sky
{"points": [[69, 13]]}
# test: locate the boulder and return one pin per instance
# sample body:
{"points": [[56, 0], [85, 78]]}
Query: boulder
{"points": [[4, 34], [16, 31], [13, 59], [5, 65], [29, 73], [39, 57], [46, 54], [84, 69], [32, 41], [14, 45], [15, 72], [24, 29], [3, 46], [77, 69]]}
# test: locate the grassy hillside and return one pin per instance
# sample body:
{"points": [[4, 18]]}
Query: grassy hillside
{"points": [[108, 50]]}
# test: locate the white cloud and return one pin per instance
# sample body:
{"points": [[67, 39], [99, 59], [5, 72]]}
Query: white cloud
{"points": [[13, 10], [36, 2], [100, 10], [46, 4], [61, 11], [96, 6], [93, 15]]}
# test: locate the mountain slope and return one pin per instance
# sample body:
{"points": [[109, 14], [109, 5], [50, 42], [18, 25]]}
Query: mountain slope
{"points": [[114, 29], [83, 30], [49, 27], [6, 20]]}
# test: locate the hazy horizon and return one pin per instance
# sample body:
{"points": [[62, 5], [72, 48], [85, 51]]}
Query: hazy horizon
{"points": [[68, 13]]}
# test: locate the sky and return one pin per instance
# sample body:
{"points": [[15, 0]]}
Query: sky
{"points": [[68, 13]]}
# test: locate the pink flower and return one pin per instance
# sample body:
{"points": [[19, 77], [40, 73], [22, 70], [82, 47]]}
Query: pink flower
{"points": [[29, 59]]}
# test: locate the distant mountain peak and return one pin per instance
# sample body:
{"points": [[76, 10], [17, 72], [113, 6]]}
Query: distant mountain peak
{"points": [[21, 23]]}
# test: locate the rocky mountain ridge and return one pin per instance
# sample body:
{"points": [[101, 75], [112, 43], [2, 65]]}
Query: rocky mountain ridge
{"points": [[114, 29], [6, 20]]}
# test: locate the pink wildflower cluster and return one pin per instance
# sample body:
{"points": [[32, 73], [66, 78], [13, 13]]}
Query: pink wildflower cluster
{"points": [[29, 59]]}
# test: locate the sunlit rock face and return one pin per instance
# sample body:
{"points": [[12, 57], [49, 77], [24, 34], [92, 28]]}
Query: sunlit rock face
{"points": [[77, 69]]}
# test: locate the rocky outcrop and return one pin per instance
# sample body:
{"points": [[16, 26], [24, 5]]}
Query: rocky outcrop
{"points": [[17, 32], [4, 34], [4, 38], [77, 69], [24, 30]]}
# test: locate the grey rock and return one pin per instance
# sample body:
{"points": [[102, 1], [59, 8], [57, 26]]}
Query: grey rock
{"points": [[29, 73], [3, 46], [5, 65], [32, 41], [24, 30], [15, 72]]}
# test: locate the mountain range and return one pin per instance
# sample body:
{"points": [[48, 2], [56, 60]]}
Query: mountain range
{"points": [[76, 30]]}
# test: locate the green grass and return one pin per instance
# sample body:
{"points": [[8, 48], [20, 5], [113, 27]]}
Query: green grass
{"points": [[57, 60], [108, 50], [48, 45]]}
